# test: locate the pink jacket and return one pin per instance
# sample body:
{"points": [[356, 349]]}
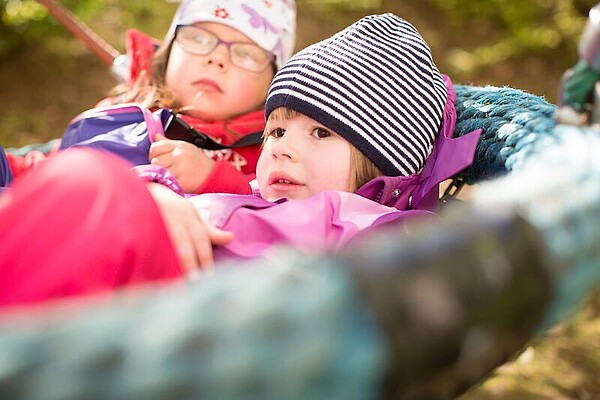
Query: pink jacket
{"points": [[325, 222]]}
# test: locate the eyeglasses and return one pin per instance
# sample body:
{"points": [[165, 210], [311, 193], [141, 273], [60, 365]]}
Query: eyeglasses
{"points": [[247, 56]]}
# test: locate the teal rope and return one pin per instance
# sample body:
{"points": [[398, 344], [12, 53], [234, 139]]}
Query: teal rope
{"points": [[556, 168], [368, 324], [554, 185], [214, 339], [45, 148], [509, 117]]}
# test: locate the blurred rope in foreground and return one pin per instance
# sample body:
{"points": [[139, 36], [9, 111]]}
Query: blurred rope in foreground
{"points": [[424, 313]]}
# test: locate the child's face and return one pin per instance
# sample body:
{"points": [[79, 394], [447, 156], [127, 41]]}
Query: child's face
{"points": [[211, 88], [300, 158]]}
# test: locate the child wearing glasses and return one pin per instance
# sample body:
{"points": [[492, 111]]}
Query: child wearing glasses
{"points": [[340, 156], [213, 68]]}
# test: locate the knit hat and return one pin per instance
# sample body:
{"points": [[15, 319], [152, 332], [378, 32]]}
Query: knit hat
{"points": [[375, 84], [271, 24]]}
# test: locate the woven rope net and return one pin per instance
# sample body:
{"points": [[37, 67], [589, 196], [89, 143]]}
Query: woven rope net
{"points": [[412, 316]]}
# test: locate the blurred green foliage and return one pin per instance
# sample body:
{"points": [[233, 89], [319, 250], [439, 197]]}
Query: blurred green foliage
{"points": [[15, 18], [517, 27], [524, 44], [23, 22], [521, 27]]}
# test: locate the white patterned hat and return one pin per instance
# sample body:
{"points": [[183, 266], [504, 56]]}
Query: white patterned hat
{"points": [[271, 24]]}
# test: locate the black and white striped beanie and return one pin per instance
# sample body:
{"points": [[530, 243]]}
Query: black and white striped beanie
{"points": [[375, 84]]}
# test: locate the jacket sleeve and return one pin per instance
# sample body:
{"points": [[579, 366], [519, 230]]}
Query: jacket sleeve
{"points": [[225, 178], [20, 164], [153, 173], [66, 234]]}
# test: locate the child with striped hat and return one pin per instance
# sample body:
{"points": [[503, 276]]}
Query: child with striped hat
{"points": [[359, 134], [375, 85]]}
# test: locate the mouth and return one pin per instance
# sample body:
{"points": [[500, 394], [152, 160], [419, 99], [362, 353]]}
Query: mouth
{"points": [[283, 182], [280, 179], [281, 185], [208, 86]]}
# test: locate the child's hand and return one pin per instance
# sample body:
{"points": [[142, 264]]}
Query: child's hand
{"points": [[192, 238], [187, 162], [33, 158]]}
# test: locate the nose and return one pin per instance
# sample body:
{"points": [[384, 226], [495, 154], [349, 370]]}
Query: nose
{"points": [[219, 57], [285, 148]]}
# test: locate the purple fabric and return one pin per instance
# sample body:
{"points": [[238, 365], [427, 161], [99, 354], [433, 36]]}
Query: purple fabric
{"points": [[126, 130], [392, 191], [448, 157], [6, 176], [154, 173]]}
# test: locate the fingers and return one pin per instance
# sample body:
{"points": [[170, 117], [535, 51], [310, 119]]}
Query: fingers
{"points": [[165, 152], [164, 160], [180, 218], [161, 153], [219, 237], [196, 249], [203, 246], [207, 237], [160, 147], [34, 157], [186, 251]]}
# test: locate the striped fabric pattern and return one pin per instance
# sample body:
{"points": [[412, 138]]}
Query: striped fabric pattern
{"points": [[375, 84]]}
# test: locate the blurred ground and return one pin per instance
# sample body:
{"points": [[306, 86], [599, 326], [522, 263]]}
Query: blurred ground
{"points": [[43, 89]]}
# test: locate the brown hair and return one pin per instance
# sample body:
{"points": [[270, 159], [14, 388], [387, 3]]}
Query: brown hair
{"points": [[149, 91], [362, 170]]}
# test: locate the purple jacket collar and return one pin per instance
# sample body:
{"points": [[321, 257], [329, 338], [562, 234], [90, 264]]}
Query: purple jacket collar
{"points": [[448, 157]]}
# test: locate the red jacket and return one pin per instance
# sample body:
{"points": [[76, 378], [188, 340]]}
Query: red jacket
{"points": [[234, 169]]}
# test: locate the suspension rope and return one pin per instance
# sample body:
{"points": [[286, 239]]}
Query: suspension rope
{"points": [[81, 31]]}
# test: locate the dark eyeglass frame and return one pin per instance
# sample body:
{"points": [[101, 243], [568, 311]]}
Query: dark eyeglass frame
{"points": [[270, 56]]}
